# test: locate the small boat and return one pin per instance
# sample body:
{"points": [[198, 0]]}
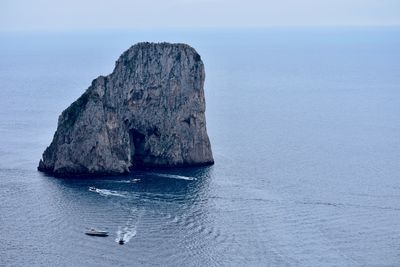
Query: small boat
{"points": [[95, 232], [121, 241], [92, 189]]}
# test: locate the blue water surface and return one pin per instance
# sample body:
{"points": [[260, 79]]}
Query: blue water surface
{"points": [[305, 130]]}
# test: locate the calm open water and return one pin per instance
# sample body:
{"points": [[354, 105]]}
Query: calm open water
{"points": [[305, 129]]}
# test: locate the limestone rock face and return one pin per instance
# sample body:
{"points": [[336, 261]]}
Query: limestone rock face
{"points": [[148, 112]]}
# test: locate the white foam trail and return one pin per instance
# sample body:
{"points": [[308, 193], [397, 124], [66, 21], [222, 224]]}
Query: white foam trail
{"points": [[173, 176], [129, 234], [125, 233], [135, 180], [119, 234], [106, 192]]}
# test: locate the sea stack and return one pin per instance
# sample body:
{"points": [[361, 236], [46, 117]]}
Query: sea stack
{"points": [[149, 112]]}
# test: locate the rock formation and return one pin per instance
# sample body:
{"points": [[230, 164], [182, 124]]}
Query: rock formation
{"points": [[148, 112]]}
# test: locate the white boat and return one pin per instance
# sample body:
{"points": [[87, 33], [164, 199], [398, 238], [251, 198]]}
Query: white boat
{"points": [[95, 232], [92, 189]]}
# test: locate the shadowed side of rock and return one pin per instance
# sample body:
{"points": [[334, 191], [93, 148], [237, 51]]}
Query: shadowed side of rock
{"points": [[149, 112]]}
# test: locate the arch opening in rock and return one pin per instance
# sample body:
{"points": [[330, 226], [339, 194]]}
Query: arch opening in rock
{"points": [[137, 143]]}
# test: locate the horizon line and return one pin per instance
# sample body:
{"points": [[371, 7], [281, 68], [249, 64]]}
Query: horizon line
{"points": [[152, 29]]}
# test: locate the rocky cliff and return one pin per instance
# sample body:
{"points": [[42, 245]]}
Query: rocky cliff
{"points": [[148, 112]]}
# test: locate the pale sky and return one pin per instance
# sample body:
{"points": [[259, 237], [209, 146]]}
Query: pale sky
{"points": [[140, 14]]}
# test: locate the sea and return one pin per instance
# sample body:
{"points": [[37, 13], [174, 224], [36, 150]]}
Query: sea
{"points": [[304, 125]]}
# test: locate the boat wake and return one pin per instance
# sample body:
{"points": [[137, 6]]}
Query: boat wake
{"points": [[127, 232], [173, 176], [132, 181], [106, 192]]}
